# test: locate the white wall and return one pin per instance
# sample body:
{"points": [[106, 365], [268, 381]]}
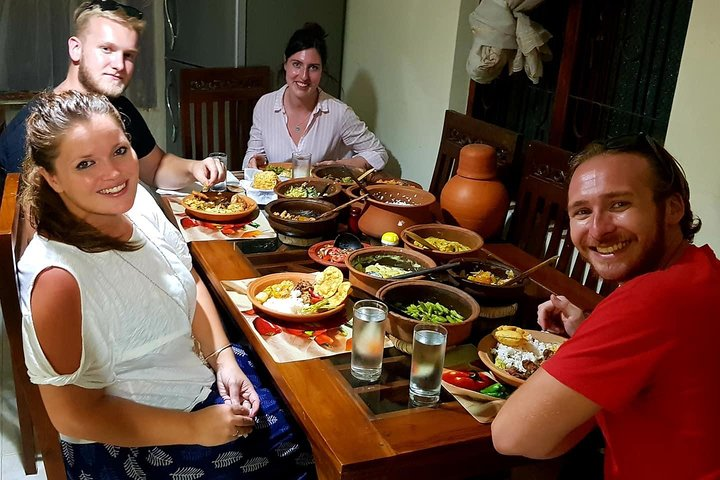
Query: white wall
{"points": [[401, 72], [695, 118], [155, 117]]}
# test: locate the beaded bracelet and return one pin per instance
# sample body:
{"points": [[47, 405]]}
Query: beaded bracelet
{"points": [[217, 352]]}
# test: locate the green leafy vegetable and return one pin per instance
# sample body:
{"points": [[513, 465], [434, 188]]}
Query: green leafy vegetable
{"points": [[433, 312]]}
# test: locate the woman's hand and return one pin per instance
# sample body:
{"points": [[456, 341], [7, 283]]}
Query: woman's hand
{"points": [[257, 161], [208, 171], [558, 315], [219, 424], [235, 388]]}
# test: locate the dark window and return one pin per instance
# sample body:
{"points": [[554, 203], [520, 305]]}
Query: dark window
{"points": [[621, 78]]}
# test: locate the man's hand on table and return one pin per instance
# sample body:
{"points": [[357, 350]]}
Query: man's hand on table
{"points": [[558, 315]]}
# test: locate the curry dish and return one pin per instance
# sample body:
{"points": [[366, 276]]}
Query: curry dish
{"points": [[221, 205]]}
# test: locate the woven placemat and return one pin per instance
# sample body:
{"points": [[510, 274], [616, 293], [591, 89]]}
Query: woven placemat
{"points": [[498, 312]]}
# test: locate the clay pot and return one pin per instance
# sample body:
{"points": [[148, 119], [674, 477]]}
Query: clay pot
{"points": [[391, 256], [447, 232], [393, 208], [402, 293], [474, 198]]}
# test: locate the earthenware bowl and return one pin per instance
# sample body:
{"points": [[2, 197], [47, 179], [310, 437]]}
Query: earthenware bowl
{"points": [[402, 293]]}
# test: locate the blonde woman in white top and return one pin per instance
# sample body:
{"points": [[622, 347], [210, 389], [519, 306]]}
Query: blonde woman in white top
{"points": [[111, 309], [301, 117]]}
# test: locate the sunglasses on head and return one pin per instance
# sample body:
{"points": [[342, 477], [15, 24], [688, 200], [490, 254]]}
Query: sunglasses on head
{"points": [[112, 5], [642, 142]]}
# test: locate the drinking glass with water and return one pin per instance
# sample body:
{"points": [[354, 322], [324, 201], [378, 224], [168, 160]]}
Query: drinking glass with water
{"points": [[368, 340], [301, 163], [428, 358]]}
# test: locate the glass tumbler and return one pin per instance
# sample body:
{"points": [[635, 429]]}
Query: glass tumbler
{"points": [[220, 186], [301, 164], [368, 339], [428, 358]]}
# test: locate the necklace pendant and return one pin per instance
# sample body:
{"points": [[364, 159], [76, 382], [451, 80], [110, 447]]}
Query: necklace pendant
{"points": [[297, 128]]}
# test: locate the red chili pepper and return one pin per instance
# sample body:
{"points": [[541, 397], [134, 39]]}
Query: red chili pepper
{"points": [[299, 333], [187, 223], [324, 340], [470, 380], [266, 328], [314, 298]]}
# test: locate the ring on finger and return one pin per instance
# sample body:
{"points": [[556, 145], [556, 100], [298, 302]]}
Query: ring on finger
{"points": [[237, 433]]}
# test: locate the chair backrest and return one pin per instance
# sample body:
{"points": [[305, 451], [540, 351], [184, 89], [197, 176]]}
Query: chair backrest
{"points": [[540, 223], [460, 130], [15, 234], [216, 107]]}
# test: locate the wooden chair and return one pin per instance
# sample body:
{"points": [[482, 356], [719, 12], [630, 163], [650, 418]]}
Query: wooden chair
{"points": [[460, 130], [35, 425], [540, 223], [216, 107]]}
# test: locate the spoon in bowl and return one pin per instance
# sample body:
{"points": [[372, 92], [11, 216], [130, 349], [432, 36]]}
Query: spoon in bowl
{"points": [[527, 272], [420, 240], [347, 241]]}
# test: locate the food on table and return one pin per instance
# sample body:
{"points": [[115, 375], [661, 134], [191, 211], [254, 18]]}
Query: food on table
{"points": [[331, 253], [279, 170], [265, 180], [384, 271], [327, 283], [385, 265], [390, 181], [347, 179], [510, 335], [447, 246], [522, 359], [266, 328], [433, 312], [285, 215], [390, 239], [221, 205], [302, 191], [496, 390], [468, 379], [488, 278], [326, 292]]}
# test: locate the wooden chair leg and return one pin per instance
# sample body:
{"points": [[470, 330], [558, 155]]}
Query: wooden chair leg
{"points": [[27, 438], [47, 437]]}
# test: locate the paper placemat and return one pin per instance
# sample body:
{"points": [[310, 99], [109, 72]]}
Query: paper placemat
{"points": [[483, 408], [289, 344], [194, 230]]}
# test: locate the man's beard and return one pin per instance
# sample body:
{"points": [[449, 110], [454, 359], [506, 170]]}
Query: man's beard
{"points": [[91, 85]]}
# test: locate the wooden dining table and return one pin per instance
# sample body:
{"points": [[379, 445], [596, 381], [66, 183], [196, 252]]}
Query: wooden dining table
{"points": [[361, 430]]}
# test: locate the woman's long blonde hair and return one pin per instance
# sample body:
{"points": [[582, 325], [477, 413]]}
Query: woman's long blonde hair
{"points": [[52, 116]]}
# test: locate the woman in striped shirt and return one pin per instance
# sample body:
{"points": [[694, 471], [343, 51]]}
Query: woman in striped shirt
{"points": [[301, 117]]}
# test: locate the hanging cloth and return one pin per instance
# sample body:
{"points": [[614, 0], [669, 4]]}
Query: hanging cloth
{"points": [[504, 34]]}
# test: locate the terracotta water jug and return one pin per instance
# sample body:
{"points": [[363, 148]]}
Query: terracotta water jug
{"points": [[475, 198]]}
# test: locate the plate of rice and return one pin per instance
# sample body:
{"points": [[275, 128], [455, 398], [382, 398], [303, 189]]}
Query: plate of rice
{"points": [[513, 364]]}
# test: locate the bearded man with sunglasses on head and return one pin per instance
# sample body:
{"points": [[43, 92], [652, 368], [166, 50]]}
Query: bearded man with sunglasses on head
{"points": [[641, 365], [102, 54]]}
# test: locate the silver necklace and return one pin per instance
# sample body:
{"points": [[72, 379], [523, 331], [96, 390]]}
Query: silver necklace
{"points": [[298, 127], [167, 262]]}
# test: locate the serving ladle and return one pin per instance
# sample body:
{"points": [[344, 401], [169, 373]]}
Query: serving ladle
{"points": [[420, 240], [347, 241]]}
